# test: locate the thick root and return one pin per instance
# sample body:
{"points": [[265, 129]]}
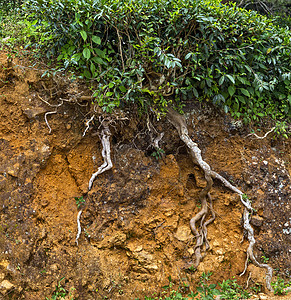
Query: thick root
{"points": [[107, 165], [201, 235]]}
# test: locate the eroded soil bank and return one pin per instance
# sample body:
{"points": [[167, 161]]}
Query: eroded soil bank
{"points": [[135, 220]]}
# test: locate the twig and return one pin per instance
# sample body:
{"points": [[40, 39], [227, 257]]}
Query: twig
{"points": [[79, 226], [120, 47]]}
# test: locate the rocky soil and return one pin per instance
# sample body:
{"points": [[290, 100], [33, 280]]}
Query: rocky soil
{"points": [[135, 220]]}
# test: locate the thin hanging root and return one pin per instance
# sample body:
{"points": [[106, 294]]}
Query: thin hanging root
{"points": [[180, 124], [250, 253], [79, 226], [45, 118], [107, 165]]}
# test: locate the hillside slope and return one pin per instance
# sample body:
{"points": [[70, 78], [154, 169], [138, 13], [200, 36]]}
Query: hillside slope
{"points": [[135, 220]]}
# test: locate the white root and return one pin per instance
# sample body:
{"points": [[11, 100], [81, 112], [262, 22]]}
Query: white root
{"points": [[45, 118], [88, 125], [157, 140], [79, 226], [250, 253], [262, 137], [201, 236], [107, 165]]}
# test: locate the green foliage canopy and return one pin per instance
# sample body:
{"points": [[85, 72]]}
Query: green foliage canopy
{"points": [[156, 53]]}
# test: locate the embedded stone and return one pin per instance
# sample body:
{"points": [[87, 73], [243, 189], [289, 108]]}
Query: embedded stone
{"points": [[183, 233], [6, 286]]}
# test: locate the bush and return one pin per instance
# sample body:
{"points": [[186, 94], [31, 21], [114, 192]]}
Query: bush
{"points": [[157, 53]]}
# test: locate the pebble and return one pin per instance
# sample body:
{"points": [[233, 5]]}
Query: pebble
{"points": [[5, 286]]}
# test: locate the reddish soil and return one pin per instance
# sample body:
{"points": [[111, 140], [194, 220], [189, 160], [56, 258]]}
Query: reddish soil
{"points": [[135, 220]]}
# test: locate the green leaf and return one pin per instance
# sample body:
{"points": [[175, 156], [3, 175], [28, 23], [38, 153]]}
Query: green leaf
{"points": [[195, 92], [241, 99], [230, 78], [83, 34], [76, 57], [99, 52], [188, 55], [289, 99], [245, 92], [87, 74], [98, 60], [92, 68], [87, 53], [221, 80], [167, 63], [122, 88], [248, 68], [96, 39], [111, 85], [231, 90], [178, 64]]}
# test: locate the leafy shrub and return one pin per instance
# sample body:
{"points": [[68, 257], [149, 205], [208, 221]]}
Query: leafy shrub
{"points": [[279, 286], [229, 290], [232, 291], [156, 53], [9, 5]]}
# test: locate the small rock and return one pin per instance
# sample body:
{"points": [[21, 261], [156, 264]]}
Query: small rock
{"points": [[13, 170], [5, 286], [44, 202], [33, 112], [257, 221], [2, 182], [183, 233], [117, 239], [54, 267], [146, 260], [138, 248], [190, 251], [263, 296]]}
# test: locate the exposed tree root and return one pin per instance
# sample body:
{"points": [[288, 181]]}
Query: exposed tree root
{"points": [[88, 125], [105, 140], [45, 118], [79, 226], [179, 123], [262, 137], [155, 141]]}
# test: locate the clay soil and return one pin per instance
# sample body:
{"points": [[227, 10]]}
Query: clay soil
{"points": [[135, 220]]}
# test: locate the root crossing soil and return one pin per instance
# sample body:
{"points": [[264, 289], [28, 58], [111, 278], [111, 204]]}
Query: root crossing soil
{"points": [[134, 223]]}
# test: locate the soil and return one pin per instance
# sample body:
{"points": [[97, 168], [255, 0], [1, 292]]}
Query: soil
{"points": [[135, 220]]}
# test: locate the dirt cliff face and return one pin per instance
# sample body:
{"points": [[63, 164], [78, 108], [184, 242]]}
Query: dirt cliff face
{"points": [[135, 220]]}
